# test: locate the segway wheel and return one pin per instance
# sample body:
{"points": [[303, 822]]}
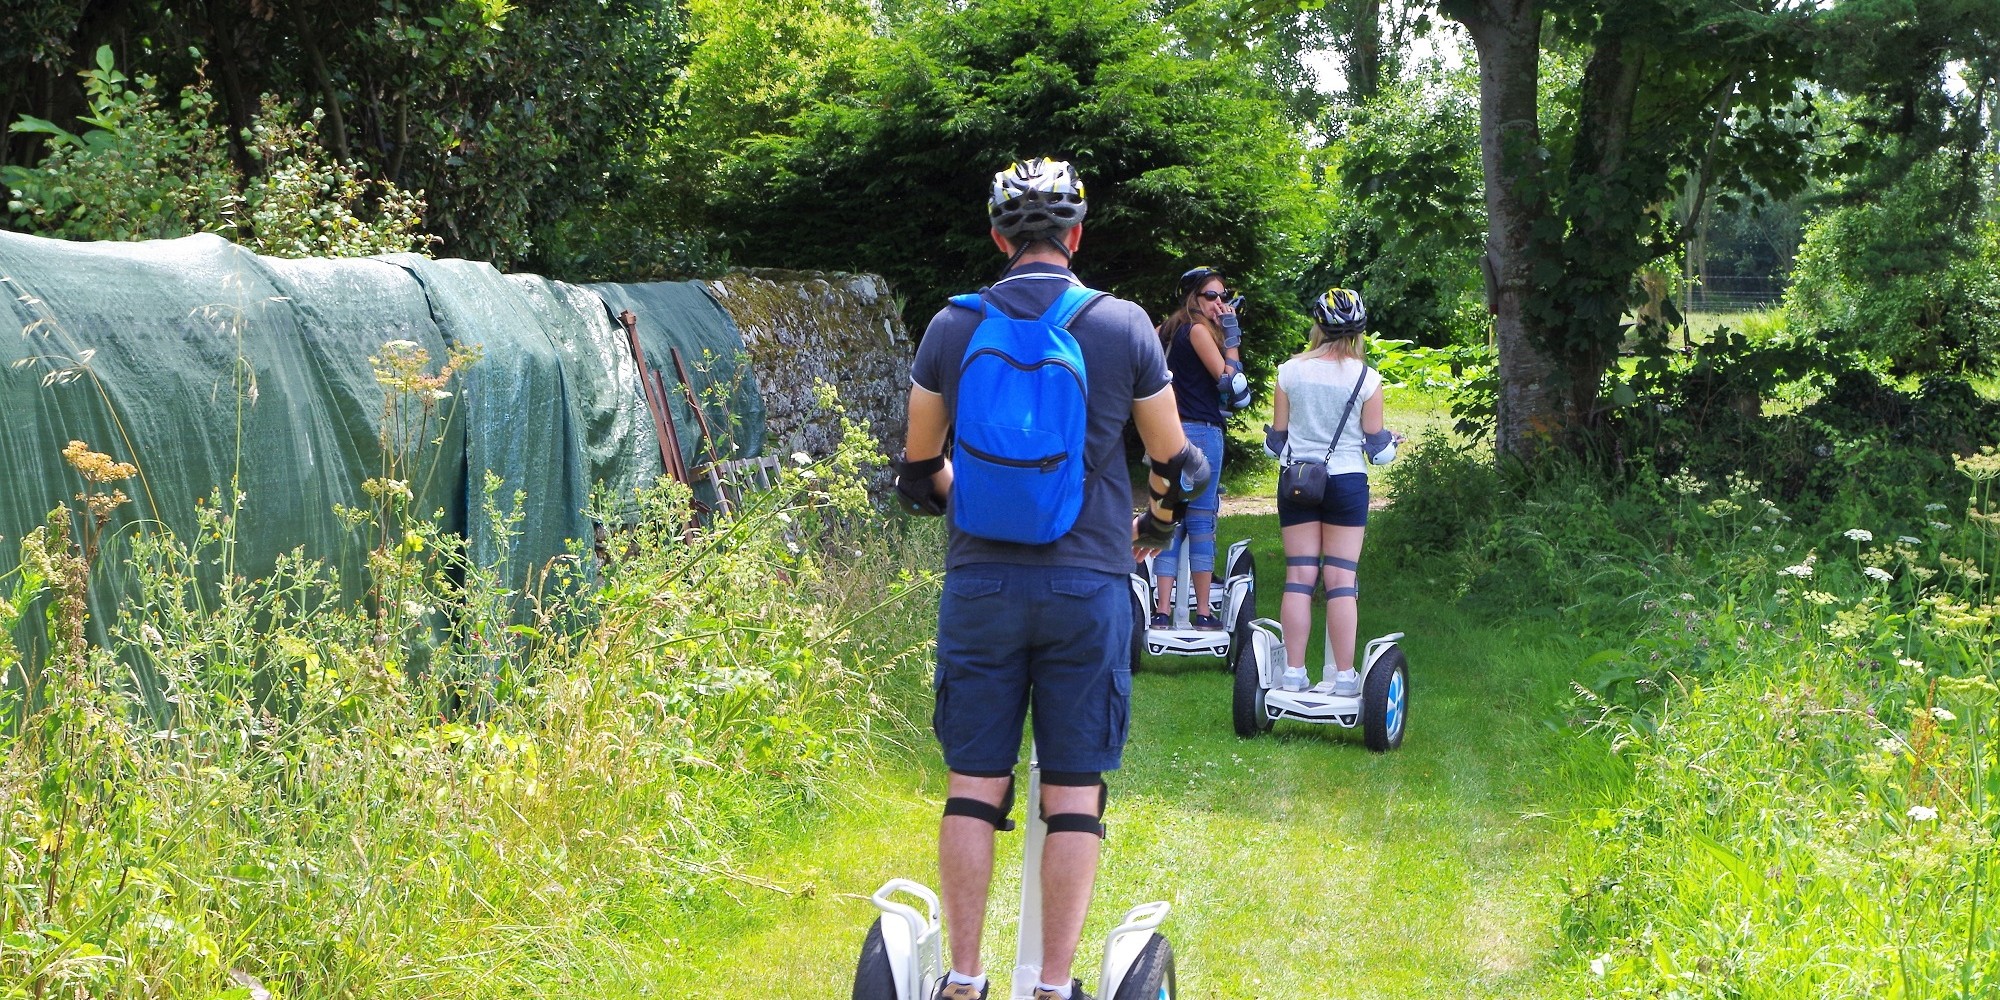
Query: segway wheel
{"points": [[1138, 632], [873, 979], [1244, 563], [1239, 630], [1152, 974], [1247, 705], [1385, 701]]}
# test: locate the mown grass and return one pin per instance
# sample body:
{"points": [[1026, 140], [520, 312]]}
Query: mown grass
{"points": [[1298, 863]]}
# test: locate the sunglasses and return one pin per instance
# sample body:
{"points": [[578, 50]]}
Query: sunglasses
{"points": [[1212, 295]]}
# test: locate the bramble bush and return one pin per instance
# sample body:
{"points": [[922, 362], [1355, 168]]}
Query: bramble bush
{"points": [[306, 810]]}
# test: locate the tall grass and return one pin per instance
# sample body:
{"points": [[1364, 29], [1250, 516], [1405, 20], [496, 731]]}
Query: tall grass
{"points": [[1788, 734], [448, 789]]}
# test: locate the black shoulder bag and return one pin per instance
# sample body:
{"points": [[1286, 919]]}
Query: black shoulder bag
{"points": [[1303, 483]]}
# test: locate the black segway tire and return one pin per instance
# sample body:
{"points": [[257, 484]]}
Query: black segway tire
{"points": [[1138, 633], [1246, 705], [1152, 974], [1244, 563], [1385, 702], [1239, 630], [873, 979]]}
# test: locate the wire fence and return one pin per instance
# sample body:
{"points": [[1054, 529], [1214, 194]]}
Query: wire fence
{"points": [[1733, 293]]}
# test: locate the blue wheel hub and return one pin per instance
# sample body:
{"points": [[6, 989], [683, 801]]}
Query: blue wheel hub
{"points": [[1392, 715]]}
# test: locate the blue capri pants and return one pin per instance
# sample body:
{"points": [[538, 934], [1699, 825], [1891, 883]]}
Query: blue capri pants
{"points": [[1197, 529]]}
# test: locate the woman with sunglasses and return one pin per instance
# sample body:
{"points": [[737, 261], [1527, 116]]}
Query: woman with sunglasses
{"points": [[1327, 407], [1200, 337]]}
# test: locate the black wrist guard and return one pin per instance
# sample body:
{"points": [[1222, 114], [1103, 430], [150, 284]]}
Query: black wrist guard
{"points": [[915, 493], [1187, 475], [1153, 533]]}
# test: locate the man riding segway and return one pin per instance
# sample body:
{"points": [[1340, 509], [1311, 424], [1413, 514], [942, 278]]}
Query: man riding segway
{"points": [[1035, 376]]}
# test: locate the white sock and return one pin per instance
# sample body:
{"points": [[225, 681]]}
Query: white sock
{"points": [[1061, 991], [958, 978]]}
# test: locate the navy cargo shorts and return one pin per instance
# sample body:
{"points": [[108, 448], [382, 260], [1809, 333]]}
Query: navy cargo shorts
{"points": [[1057, 634]]}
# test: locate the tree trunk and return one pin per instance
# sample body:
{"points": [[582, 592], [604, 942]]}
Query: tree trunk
{"points": [[1507, 36], [1364, 61]]}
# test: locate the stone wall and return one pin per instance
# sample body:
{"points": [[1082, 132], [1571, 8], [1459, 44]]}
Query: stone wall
{"points": [[803, 328]]}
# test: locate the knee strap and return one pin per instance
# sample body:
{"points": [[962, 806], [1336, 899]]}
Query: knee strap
{"points": [[985, 811], [1078, 822], [1339, 592], [1312, 561], [1338, 563], [1301, 588]]}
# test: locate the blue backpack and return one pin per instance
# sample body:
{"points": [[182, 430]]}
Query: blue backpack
{"points": [[1017, 463]]}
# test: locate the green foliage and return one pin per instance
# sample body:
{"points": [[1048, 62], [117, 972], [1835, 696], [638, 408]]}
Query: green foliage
{"points": [[1911, 277], [523, 126], [141, 172], [1186, 161], [1412, 225]]}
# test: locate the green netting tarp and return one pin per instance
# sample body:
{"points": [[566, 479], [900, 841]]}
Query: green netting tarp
{"points": [[682, 315], [518, 414], [203, 365], [206, 365]]}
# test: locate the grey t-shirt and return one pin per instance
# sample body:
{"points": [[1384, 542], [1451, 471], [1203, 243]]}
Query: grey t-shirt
{"points": [[1122, 362]]}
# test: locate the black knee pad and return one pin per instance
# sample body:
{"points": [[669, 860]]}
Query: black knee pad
{"points": [[1078, 822], [986, 811]]}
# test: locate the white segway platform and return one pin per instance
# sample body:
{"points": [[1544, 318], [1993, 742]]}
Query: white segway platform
{"points": [[1381, 709], [1233, 596], [903, 957]]}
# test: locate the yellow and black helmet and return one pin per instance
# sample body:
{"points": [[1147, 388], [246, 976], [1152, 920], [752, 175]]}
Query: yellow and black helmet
{"points": [[1036, 200], [1340, 311]]}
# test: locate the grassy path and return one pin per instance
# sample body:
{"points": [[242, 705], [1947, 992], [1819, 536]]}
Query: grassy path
{"points": [[1299, 864]]}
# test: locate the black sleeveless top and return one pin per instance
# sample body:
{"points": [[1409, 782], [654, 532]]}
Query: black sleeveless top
{"points": [[1195, 394]]}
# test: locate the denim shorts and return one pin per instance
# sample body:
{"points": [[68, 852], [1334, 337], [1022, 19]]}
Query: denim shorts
{"points": [[1344, 504], [1058, 636]]}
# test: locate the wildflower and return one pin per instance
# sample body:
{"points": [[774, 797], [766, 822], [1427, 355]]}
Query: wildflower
{"points": [[784, 518], [1782, 593], [1878, 574], [1939, 526], [801, 458], [96, 467], [1598, 964], [1907, 540], [1932, 508], [1943, 714], [1889, 746], [1821, 597], [1779, 549], [1802, 571], [1922, 814], [1910, 664], [1687, 597], [1859, 535], [1757, 529]]}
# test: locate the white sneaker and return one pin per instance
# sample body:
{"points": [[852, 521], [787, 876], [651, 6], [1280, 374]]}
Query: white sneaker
{"points": [[1294, 680], [1347, 683]]}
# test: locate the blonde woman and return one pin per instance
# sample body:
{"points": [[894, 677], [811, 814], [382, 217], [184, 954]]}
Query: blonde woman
{"points": [[1328, 407]]}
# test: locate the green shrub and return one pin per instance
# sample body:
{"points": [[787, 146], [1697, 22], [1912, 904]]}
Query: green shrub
{"points": [[142, 172], [1908, 277], [1442, 495]]}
